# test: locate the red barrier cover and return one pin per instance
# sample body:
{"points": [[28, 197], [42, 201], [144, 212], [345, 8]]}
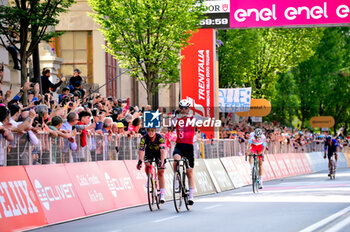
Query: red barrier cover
{"points": [[92, 190], [300, 163], [19, 207], [267, 170], [281, 164], [139, 178], [55, 191], [306, 163], [294, 161], [274, 165], [120, 184], [289, 165]]}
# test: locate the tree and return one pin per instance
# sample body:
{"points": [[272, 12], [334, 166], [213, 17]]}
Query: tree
{"points": [[151, 31], [255, 57], [24, 24], [323, 81]]}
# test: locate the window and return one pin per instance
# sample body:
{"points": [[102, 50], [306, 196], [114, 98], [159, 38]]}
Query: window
{"points": [[112, 70], [75, 47]]}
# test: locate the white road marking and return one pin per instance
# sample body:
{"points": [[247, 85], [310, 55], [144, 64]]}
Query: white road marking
{"points": [[339, 225], [212, 207], [165, 219], [326, 220]]}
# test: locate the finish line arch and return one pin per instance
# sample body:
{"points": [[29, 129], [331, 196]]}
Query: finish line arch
{"points": [[199, 67]]}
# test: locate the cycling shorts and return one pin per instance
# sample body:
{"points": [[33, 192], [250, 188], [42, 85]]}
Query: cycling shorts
{"points": [[257, 149], [185, 150], [330, 154], [149, 157]]}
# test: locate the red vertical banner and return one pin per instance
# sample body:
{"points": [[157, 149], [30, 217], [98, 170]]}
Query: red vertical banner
{"points": [[19, 207], [197, 75]]}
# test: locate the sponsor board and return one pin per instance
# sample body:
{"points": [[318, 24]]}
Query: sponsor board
{"points": [[232, 171], [120, 184], [268, 173], [139, 178], [19, 207], [274, 165], [281, 164], [91, 187], [55, 192], [218, 174], [202, 179]]}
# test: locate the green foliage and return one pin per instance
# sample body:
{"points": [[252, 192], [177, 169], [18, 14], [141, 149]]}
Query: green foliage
{"points": [[255, 57], [25, 23], [151, 31], [323, 81]]}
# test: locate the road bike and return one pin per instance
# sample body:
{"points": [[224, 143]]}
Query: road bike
{"points": [[332, 167], [255, 172], [153, 190], [180, 188]]}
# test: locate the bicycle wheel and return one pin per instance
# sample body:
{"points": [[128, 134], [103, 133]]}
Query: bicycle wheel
{"points": [[150, 191], [177, 192], [185, 192], [157, 192], [332, 171], [254, 180]]}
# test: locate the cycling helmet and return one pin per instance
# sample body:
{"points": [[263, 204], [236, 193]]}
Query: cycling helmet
{"points": [[258, 132], [328, 137], [184, 103]]}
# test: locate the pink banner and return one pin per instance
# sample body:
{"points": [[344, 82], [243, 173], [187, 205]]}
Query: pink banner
{"points": [[274, 13]]}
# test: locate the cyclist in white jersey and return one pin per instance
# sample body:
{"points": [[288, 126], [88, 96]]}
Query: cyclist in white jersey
{"points": [[257, 145]]}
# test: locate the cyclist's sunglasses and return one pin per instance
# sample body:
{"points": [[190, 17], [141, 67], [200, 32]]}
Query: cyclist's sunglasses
{"points": [[183, 107]]}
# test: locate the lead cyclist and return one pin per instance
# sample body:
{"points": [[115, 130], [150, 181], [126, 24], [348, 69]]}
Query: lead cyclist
{"points": [[184, 142]]}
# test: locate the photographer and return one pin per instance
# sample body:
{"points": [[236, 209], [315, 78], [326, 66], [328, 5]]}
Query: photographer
{"points": [[46, 84]]}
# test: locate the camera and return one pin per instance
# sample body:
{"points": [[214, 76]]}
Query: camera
{"points": [[71, 104]]}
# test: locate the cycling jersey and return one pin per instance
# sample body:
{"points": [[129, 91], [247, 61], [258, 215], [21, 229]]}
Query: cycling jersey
{"points": [[331, 148], [185, 128], [257, 144], [146, 143]]}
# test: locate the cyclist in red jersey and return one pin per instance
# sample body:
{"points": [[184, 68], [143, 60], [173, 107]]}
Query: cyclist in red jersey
{"points": [[185, 132]]}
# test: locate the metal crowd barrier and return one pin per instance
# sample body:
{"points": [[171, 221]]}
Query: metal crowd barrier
{"points": [[26, 150]]}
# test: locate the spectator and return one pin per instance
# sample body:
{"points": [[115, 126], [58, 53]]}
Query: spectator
{"points": [[76, 82], [46, 84], [65, 92], [72, 120]]}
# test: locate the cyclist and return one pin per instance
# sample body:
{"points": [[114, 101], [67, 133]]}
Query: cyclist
{"points": [[257, 145], [152, 146], [332, 146], [185, 132]]}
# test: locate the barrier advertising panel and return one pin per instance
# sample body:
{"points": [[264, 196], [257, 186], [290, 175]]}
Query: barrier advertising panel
{"points": [[300, 163], [306, 163], [169, 178], [274, 165], [289, 165], [242, 170], [139, 178], [268, 172], [19, 207], [203, 181], [218, 175], [232, 171], [281, 164], [120, 184], [56, 192], [91, 188], [294, 163]]}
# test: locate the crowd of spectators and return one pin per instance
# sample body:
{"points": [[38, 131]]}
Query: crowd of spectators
{"points": [[75, 110]]}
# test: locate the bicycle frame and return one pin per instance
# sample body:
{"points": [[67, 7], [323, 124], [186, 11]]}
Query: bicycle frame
{"points": [[182, 191], [255, 173], [153, 186]]}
